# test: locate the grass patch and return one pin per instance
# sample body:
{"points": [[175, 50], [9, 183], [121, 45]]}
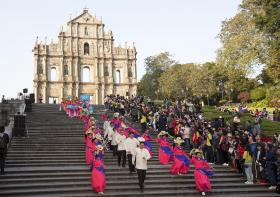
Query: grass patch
{"points": [[268, 127]]}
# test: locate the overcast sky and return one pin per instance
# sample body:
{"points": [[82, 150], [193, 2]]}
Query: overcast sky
{"points": [[186, 28]]}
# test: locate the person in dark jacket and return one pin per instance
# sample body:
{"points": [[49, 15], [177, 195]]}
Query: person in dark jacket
{"points": [[162, 122], [4, 140], [260, 163], [271, 168]]}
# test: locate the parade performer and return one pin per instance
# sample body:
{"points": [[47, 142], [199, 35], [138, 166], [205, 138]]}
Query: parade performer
{"points": [[181, 160], [91, 127], [116, 121], [142, 155], [148, 142], [67, 107], [89, 147], [202, 172], [98, 179], [165, 150], [120, 139], [114, 143], [131, 144]]}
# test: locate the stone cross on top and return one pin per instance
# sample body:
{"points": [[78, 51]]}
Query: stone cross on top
{"points": [[85, 9]]}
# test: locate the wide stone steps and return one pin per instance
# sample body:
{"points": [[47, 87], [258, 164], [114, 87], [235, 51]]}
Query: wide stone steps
{"points": [[51, 162], [159, 190]]}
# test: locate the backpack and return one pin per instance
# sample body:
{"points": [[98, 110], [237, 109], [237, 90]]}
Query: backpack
{"points": [[2, 141]]}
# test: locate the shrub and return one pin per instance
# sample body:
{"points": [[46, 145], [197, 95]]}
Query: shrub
{"points": [[244, 97], [258, 93], [260, 104], [274, 92], [222, 102], [274, 103]]}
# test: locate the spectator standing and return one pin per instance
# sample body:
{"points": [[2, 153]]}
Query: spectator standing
{"points": [[271, 167], [4, 140], [248, 159]]}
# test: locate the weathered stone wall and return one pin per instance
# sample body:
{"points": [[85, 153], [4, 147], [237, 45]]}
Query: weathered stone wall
{"points": [[7, 110]]}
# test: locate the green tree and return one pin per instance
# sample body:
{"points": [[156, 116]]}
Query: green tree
{"points": [[265, 15], [159, 63], [258, 93], [173, 82], [189, 80], [155, 66], [144, 86], [242, 45]]}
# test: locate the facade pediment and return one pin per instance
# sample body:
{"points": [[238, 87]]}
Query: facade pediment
{"points": [[83, 18]]}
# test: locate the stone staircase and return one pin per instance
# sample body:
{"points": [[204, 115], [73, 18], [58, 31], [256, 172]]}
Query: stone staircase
{"points": [[50, 161]]}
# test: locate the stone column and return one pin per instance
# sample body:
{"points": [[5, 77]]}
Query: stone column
{"points": [[61, 68], [44, 93], [61, 94], [70, 73], [77, 90], [35, 67], [71, 90], [125, 70], [97, 96], [102, 94], [77, 70], [35, 86], [96, 76], [44, 65]]}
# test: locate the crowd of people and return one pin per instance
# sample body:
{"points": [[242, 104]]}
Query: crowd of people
{"points": [[236, 145], [125, 142], [131, 146], [257, 113], [171, 147], [184, 136], [94, 143]]}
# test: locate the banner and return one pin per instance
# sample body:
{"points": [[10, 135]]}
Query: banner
{"points": [[85, 97]]}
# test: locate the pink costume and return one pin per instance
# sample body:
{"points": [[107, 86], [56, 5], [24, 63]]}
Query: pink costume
{"points": [[98, 179], [116, 122], [165, 151], [72, 109], [90, 147], [181, 161], [202, 173], [67, 109], [104, 117], [148, 143]]}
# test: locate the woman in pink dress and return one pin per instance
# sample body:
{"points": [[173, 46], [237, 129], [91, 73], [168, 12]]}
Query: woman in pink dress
{"points": [[202, 172], [89, 147], [181, 160], [165, 150], [98, 179]]}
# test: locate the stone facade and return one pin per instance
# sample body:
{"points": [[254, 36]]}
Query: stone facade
{"points": [[84, 61]]}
